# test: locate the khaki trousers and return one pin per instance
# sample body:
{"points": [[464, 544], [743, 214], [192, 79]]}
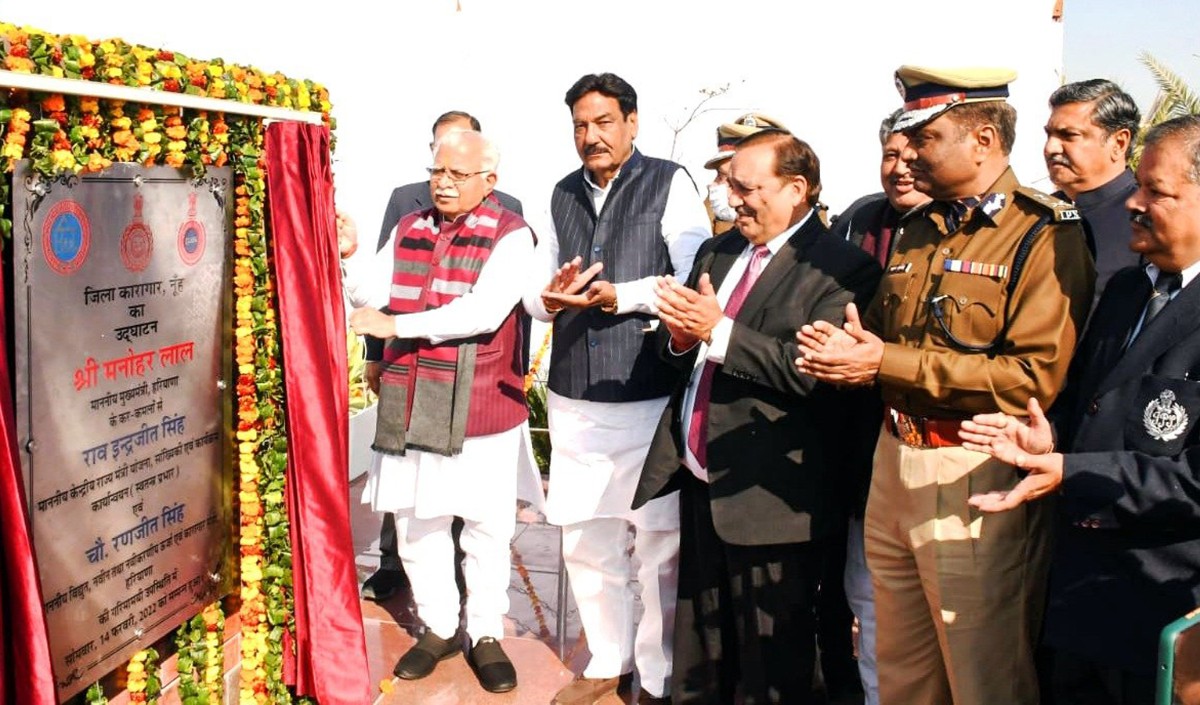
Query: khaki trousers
{"points": [[959, 594]]}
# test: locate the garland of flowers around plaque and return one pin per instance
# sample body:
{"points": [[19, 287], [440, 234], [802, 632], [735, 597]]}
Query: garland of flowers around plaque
{"points": [[64, 135]]}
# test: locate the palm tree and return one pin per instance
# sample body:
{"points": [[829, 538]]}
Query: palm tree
{"points": [[1175, 98]]}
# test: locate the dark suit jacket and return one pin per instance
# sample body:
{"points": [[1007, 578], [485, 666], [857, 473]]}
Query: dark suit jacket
{"points": [[415, 197], [861, 217], [1127, 560], [774, 434]]}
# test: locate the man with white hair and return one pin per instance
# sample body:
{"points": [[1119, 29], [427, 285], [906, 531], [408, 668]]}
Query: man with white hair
{"points": [[452, 415]]}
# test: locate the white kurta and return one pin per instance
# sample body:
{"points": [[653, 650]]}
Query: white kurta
{"points": [[599, 448], [492, 471]]}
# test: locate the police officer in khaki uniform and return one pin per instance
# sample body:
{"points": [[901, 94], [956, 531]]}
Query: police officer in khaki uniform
{"points": [[979, 309]]}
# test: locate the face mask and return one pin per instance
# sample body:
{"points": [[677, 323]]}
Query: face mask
{"points": [[718, 198]]}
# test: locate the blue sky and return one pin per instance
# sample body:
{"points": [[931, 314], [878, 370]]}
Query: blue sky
{"points": [[1102, 38]]}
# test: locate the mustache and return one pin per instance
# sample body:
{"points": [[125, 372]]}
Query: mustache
{"points": [[1141, 220], [1058, 159], [594, 149]]}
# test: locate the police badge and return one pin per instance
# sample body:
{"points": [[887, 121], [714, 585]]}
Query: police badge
{"points": [[1163, 418]]}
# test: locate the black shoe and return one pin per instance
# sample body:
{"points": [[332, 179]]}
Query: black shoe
{"points": [[419, 661], [492, 667], [383, 584]]}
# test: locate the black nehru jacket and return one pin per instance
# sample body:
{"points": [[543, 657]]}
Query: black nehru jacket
{"points": [[1106, 224], [597, 356]]}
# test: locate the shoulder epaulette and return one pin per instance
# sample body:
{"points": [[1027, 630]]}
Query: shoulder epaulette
{"points": [[919, 210], [1062, 210]]}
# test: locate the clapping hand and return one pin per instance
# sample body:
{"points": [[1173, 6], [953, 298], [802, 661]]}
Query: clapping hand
{"points": [[1027, 445], [689, 314], [849, 355], [565, 286]]}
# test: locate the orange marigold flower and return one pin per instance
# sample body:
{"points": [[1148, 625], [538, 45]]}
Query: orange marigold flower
{"points": [[54, 103]]}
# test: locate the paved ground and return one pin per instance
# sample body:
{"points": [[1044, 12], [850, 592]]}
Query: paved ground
{"points": [[531, 629]]}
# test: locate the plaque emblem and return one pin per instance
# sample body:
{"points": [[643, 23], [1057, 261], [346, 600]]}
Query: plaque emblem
{"points": [[137, 242], [66, 237], [1164, 418], [191, 235]]}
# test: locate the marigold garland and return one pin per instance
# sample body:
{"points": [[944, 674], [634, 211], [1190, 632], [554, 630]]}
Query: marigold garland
{"points": [[143, 682], [72, 135], [534, 600], [200, 649], [266, 547]]}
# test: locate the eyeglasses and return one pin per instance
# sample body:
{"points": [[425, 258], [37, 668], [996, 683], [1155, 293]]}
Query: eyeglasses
{"points": [[456, 177]]}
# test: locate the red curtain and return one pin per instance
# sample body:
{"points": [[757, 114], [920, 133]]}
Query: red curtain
{"points": [[26, 675], [331, 655]]}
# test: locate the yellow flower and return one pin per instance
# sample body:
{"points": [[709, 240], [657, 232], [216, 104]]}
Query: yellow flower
{"points": [[97, 162], [62, 159]]}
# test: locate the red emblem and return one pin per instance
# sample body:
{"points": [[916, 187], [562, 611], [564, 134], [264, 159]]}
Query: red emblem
{"points": [[137, 242], [191, 235]]}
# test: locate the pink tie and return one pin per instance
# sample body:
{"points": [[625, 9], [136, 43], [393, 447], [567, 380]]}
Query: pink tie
{"points": [[698, 430]]}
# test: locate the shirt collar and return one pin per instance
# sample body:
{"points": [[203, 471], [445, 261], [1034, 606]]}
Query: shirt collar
{"points": [[776, 243], [596, 190], [1189, 273]]}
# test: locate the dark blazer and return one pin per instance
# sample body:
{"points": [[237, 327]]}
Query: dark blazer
{"points": [[1127, 558], [415, 197], [774, 434], [861, 217]]}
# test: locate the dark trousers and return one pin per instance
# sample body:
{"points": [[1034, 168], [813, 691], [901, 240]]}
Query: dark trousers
{"points": [[1080, 681], [835, 621], [745, 619], [389, 559]]}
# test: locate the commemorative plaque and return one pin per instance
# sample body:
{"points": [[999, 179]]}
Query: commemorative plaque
{"points": [[122, 347]]}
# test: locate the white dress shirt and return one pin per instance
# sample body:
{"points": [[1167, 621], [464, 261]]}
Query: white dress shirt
{"points": [[714, 351]]}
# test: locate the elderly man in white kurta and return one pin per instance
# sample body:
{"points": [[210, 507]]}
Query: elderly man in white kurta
{"points": [[452, 435], [618, 222]]}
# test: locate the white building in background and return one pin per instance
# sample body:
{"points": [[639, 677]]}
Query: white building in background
{"points": [[824, 69]]}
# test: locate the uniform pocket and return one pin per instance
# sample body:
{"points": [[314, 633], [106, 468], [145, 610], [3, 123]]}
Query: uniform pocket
{"points": [[972, 309], [893, 291]]}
